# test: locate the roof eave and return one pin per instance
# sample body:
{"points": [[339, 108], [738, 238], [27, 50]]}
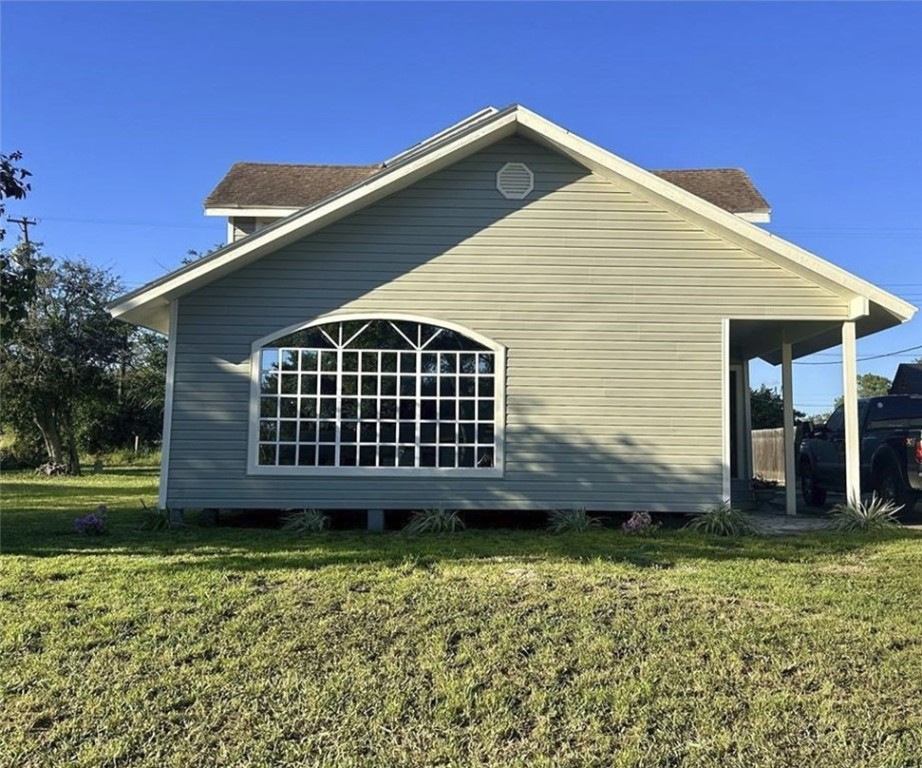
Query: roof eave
{"points": [[232, 210]]}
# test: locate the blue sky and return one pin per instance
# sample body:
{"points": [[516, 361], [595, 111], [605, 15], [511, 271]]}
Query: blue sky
{"points": [[129, 113]]}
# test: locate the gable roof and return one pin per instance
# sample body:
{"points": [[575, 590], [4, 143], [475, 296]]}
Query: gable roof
{"points": [[271, 185], [268, 185], [728, 188], [873, 308]]}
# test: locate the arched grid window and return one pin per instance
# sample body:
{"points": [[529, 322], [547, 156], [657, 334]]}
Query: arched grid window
{"points": [[377, 396]]}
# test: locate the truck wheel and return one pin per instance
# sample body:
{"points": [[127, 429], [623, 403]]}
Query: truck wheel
{"points": [[890, 487], [814, 494]]}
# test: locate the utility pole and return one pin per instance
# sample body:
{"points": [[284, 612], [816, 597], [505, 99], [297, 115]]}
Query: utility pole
{"points": [[24, 223]]}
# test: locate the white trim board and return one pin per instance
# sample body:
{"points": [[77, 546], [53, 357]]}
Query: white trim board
{"points": [[726, 483], [258, 213], [168, 409], [147, 305]]}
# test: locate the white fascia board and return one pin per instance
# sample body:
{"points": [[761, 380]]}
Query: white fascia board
{"points": [[263, 212], [859, 306], [755, 217], [723, 223], [308, 220]]}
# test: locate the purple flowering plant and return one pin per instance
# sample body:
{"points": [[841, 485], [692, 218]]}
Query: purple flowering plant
{"points": [[640, 524], [93, 524]]}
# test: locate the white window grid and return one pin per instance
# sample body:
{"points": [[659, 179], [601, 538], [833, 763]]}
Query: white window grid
{"points": [[377, 408]]}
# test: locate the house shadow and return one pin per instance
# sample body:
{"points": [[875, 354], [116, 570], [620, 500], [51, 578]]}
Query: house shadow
{"points": [[48, 533]]}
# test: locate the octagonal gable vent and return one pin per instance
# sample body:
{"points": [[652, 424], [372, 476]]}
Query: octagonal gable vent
{"points": [[514, 181]]}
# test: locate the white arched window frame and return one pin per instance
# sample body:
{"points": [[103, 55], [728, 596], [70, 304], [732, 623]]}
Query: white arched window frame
{"points": [[258, 463]]}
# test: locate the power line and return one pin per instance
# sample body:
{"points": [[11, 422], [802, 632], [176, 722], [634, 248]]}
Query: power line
{"points": [[864, 359], [115, 222]]}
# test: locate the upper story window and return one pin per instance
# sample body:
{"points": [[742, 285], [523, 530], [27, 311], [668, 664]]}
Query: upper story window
{"points": [[379, 395]]}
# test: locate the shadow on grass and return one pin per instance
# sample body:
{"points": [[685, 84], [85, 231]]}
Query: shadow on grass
{"points": [[264, 550]]}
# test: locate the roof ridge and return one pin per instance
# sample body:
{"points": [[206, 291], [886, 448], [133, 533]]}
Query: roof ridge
{"points": [[308, 165], [693, 170]]}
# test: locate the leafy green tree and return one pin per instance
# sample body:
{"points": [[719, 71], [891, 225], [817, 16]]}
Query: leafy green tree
{"points": [[61, 354], [17, 270], [869, 385], [766, 405], [132, 396]]}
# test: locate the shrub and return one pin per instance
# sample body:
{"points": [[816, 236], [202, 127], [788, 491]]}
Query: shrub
{"points": [[93, 524], [640, 524], [860, 517], [434, 521], [571, 521], [306, 521], [722, 520]]}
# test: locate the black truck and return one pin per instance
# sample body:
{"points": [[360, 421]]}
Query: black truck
{"points": [[890, 431]]}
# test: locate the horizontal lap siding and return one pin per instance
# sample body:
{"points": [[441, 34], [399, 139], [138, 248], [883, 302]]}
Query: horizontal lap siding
{"points": [[610, 309]]}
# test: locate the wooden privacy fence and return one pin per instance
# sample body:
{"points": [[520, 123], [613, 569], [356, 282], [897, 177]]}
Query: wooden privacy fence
{"points": [[768, 454]]}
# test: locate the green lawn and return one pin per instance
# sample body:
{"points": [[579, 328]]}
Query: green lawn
{"points": [[241, 647]]}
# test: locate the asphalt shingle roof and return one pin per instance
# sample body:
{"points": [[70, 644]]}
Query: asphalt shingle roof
{"points": [[289, 186], [268, 185]]}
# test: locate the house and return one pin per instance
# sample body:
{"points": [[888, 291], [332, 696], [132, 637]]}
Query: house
{"points": [[504, 316], [908, 379]]}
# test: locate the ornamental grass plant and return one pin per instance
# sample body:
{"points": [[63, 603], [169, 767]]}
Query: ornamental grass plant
{"points": [[722, 520], [434, 521], [871, 516], [571, 521]]}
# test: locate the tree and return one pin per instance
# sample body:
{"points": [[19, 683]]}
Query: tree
{"points": [[869, 385], [131, 405], [61, 355], [17, 270], [766, 405]]}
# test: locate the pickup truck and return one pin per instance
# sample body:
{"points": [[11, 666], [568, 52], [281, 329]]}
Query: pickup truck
{"points": [[890, 433]]}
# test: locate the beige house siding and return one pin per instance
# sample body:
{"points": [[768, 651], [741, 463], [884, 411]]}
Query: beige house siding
{"points": [[609, 307]]}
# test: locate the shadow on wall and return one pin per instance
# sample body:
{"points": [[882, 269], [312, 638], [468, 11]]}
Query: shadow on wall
{"points": [[546, 467], [547, 464], [352, 258]]}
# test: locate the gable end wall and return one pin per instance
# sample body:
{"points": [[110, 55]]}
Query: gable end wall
{"points": [[610, 309]]}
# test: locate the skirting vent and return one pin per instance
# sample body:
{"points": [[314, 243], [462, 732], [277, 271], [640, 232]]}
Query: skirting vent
{"points": [[515, 181]]}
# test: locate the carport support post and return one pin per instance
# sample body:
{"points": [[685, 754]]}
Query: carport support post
{"points": [[850, 393], [787, 393]]}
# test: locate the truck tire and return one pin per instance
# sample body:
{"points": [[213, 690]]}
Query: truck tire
{"points": [[814, 494], [891, 487]]}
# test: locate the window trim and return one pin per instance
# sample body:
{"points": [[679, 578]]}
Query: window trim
{"points": [[499, 398]]}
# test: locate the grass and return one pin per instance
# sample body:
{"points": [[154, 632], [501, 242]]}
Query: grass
{"points": [[243, 647]]}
